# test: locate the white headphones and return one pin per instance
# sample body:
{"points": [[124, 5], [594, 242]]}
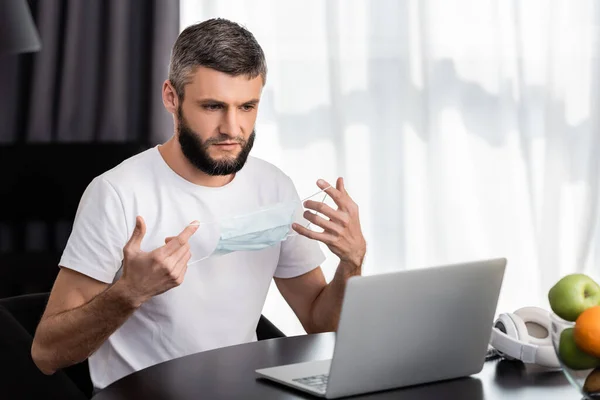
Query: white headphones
{"points": [[512, 338]]}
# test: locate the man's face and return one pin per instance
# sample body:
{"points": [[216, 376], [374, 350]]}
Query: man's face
{"points": [[215, 121]]}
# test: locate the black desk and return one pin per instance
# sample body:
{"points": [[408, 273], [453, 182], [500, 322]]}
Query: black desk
{"points": [[228, 373]]}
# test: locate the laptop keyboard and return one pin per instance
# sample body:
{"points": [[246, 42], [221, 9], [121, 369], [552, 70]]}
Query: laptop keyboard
{"points": [[319, 382]]}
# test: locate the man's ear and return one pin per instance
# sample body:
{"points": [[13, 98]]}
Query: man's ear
{"points": [[170, 98]]}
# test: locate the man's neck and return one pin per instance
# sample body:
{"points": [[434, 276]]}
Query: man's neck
{"points": [[176, 160]]}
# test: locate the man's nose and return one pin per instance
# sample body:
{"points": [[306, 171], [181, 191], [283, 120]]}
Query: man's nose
{"points": [[230, 125]]}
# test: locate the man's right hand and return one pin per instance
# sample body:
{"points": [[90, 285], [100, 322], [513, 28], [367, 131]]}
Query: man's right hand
{"points": [[148, 274]]}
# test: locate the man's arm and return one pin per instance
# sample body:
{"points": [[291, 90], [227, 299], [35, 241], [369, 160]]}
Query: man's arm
{"points": [[82, 313], [317, 304]]}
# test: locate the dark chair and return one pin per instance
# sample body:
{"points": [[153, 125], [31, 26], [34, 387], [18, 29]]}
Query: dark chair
{"points": [[20, 378], [266, 330], [19, 317]]}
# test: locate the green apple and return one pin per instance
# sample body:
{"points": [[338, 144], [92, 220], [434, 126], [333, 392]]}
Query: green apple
{"points": [[573, 294], [572, 356]]}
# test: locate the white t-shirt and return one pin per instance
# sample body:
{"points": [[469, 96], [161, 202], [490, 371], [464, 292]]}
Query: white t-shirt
{"points": [[221, 299]]}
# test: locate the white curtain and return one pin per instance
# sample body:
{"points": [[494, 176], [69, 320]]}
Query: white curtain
{"points": [[463, 129]]}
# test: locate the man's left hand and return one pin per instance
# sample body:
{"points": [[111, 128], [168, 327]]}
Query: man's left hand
{"points": [[341, 232]]}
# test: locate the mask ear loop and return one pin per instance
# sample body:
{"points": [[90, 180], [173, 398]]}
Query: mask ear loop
{"points": [[324, 197], [199, 224], [197, 261], [289, 235]]}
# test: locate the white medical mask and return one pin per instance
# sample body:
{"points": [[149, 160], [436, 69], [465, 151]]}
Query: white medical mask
{"points": [[253, 231]]}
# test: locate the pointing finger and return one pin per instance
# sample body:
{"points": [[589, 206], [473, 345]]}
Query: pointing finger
{"points": [[182, 238]]}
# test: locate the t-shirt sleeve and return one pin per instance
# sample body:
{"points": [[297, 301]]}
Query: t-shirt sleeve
{"points": [[299, 254], [95, 245]]}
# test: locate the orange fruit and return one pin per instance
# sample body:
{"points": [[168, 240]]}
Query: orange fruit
{"points": [[587, 331]]}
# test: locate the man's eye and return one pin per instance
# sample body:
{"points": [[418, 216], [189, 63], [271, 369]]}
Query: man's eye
{"points": [[248, 107], [212, 107]]}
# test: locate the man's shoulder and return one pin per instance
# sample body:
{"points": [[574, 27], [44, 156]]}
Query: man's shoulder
{"points": [[131, 170]]}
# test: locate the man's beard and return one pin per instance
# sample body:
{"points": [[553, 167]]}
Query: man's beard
{"points": [[196, 151]]}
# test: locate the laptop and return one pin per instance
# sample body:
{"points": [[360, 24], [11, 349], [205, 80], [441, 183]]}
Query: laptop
{"points": [[405, 328]]}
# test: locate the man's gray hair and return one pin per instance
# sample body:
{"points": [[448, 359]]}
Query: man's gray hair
{"points": [[218, 44]]}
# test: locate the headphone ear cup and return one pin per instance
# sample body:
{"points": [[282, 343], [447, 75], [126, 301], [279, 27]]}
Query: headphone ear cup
{"points": [[540, 317], [521, 328], [506, 324], [513, 328], [545, 354]]}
